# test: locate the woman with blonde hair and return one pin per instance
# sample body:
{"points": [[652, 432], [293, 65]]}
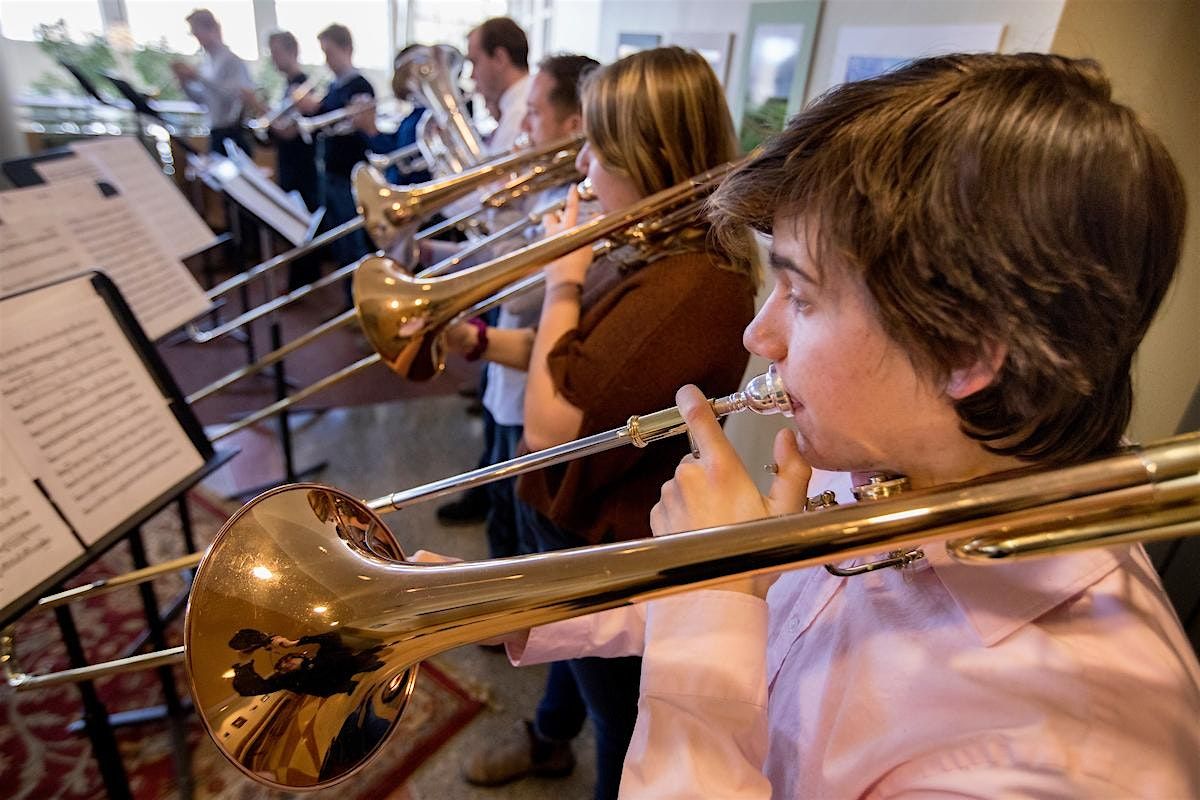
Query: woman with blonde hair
{"points": [[616, 338]]}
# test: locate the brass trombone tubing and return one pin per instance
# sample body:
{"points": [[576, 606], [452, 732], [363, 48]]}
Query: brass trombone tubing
{"points": [[340, 321], [348, 317], [297, 397], [492, 200], [285, 558], [763, 394]]}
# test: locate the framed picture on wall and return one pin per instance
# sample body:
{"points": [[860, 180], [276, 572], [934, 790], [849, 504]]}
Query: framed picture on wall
{"points": [[775, 69], [630, 43], [717, 49], [864, 51]]}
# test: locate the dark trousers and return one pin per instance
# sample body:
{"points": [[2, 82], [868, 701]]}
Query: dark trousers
{"points": [[605, 689], [340, 207], [217, 137], [502, 531]]}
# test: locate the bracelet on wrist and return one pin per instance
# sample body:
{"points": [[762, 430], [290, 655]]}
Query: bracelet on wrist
{"points": [[574, 287], [481, 339]]}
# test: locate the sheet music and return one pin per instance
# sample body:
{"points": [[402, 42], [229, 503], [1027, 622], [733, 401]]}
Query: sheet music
{"points": [[68, 168], [35, 248], [35, 543], [161, 291], [151, 194], [261, 197], [82, 411]]}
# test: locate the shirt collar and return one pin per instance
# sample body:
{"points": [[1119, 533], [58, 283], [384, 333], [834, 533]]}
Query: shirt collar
{"points": [[514, 97], [998, 599]]}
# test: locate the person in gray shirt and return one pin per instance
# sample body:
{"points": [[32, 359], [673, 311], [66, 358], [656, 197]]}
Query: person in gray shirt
{"points": [[217, 84]]}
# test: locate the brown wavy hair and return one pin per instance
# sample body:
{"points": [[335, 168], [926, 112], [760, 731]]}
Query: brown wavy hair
{"points": [[989, 199], [659, 117]]}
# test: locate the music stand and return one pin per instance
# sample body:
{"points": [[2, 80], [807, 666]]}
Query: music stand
{"points": [[142, 105], [85, 82]]}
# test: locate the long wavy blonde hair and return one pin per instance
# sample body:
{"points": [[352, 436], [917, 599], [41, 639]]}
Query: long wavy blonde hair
{"points": [[659, 117]]}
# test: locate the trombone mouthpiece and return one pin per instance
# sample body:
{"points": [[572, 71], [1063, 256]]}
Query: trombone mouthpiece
{"points": [[763, 394], [585, 191]]}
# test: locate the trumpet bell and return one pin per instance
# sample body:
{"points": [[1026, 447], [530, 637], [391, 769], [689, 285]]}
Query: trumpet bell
{"points": [[289, 669]]}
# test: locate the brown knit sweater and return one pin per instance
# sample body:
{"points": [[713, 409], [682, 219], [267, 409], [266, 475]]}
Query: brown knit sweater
{"points": [[675, 321]]}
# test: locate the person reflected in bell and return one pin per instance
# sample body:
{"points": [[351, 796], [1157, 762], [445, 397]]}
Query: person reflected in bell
{"points": [[328, 671]]}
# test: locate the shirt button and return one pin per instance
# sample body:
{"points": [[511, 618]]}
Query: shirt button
{"points": [[793, 625]]}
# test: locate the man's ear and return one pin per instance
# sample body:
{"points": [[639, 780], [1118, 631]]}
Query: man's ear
{"points": [[967, 380], [574, 123], [502, 54]]}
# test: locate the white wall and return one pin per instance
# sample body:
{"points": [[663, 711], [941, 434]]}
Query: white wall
{"points": [[1153, 62]]}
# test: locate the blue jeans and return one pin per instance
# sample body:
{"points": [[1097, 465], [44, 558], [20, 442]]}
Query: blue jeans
{"points": [[503, 539], [605, 689]]}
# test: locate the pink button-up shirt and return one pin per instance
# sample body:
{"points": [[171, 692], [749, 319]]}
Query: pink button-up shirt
{"points": [[1060, 677]]}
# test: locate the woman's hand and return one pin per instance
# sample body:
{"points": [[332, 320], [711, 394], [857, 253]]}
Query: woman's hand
{"points": [[715, 488], [462, 338], [573, 267]]}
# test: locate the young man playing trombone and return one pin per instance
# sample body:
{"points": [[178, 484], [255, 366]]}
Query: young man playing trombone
{"points": [[967, 253]]}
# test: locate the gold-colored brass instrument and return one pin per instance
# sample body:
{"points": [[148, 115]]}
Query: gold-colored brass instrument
{"points": [[391, 214], [403, 316], [763, 394], [306, 581], [420, 201], [428, 75]]}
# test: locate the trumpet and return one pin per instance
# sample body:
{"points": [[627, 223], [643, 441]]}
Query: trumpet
{"points": [[261, 126], [307, 561], [340, 121]]}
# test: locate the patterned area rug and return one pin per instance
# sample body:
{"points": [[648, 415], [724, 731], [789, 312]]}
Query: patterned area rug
{"points": [[40, 759]]}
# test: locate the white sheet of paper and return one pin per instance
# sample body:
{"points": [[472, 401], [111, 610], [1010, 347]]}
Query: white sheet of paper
{"points": [[35, 543], [151, 194], [70, 167], [82, 412], [158, 287], [34, 248], [262, 198]]}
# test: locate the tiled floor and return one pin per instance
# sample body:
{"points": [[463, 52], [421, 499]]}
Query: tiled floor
{"points": [[373, 450]]}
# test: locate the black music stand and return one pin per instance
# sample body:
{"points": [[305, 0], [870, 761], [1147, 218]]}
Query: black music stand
{"points": [[96, 720], [86, 83], [260, 206], [144, 106]]}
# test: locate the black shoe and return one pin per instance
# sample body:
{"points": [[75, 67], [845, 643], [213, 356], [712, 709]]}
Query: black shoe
{"points": [[468, 510]]}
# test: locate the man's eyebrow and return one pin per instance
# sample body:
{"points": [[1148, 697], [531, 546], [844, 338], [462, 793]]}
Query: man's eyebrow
{"points": [[782, 263]]}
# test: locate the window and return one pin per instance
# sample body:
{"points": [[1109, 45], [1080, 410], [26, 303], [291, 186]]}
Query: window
{"points": [[20, 18], [155, 21], [368, 21]]}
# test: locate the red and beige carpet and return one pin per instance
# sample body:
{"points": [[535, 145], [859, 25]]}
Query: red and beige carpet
{"points": [[40, 759]]}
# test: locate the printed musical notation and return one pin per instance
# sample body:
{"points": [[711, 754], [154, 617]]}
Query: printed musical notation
{"points": [[34, 540], [55, 230], [82, 412]]}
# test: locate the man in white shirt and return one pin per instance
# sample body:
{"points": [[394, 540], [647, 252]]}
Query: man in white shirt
{"points": [[499, 54], [217, 84]]}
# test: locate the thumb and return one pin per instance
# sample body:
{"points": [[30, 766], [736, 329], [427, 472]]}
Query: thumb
{"points": [[430, 557], [789, 490], [570, 213]]}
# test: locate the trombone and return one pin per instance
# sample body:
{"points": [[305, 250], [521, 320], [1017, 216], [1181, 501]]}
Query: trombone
{"points": [[417, 202], [763, 395], [403, 317], [310, 562]]}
